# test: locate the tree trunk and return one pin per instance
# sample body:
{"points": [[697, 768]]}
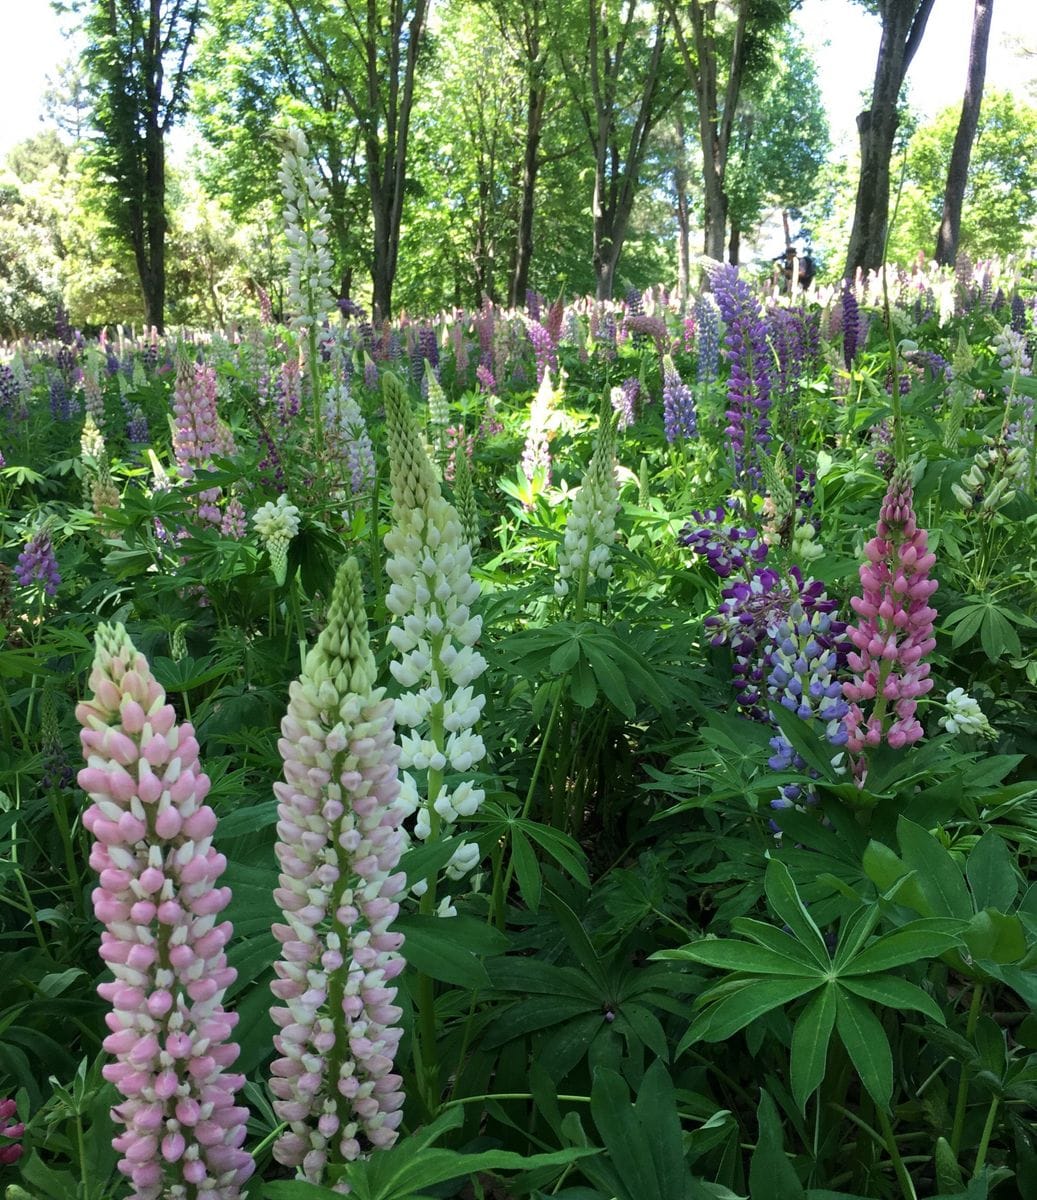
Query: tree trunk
{"points": [[903, 23], [958, 170], [153, 284], [536, 100], [734, 246], [680, 186]]}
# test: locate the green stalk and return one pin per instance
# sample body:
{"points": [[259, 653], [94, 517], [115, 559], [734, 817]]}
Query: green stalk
{"points": [[903, 1178], [984, 1141], [963, 1083], [428, 1067]]}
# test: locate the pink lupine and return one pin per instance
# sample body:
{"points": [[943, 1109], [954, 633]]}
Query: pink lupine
{"points": [[894, 632], [339, 843], [159, 901], [10, 1133]]}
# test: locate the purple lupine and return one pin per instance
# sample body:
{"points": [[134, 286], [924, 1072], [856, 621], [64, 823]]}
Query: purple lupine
{"points": [[287, 392], [853, 329], [534, 304], [725, 546], [688, 334], [137, 427], [60, 399], [679, 418], [339, 844], [37, 563], [749, 385], [198, 434], [1018, 321], [606, 337], [544, 348], [750, 606], [159, 901], [62, 327], [10, 1133], [894, 631], [634, 302], [9, 387]]}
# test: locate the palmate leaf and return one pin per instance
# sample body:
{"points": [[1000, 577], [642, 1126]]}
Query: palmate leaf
{"points": [[784, 900], [810, 1037], [744, 958], [741, 1007], [861, 1032], [770, 1173], [893, 992], [927, 938]]}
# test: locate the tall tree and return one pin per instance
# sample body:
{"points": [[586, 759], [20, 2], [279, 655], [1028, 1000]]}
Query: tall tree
{"points": [[137, 58], [780, 140], [958, 170], [253, 72], [375, 46], [903, 24], [619, 77], [720, 53]]}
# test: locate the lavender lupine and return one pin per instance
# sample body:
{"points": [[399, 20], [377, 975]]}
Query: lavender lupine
{"points": [[590, 530], [348, 439], [804, 657], [339, 845], [198, 434], [434, 633], [894, 631], [37, 563], [854, 333], [749, 385], [624, 401], [707, 337], [159, 901], [679, 418]]}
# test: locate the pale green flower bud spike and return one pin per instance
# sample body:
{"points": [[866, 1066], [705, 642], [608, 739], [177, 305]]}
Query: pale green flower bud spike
{"points": [[411, 474], [343, 650], [464, 500]]}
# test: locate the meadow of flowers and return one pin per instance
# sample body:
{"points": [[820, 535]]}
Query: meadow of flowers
{"points": [[585, 751]]}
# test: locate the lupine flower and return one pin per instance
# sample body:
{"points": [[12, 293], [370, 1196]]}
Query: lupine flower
{"points": [[348, 438], [457, 439], [726, 547], [854, 332], [544, 348], [536, 453], [277, 522], [749, 386], [233, 524], [198, 434], [485, 380], [624, 402], [159, 902], [679, 418], [438, 407], [964, 715], [307, 218], [993, 476], [10, 1133], [894, 630], [434, 634], [10, 389], [37, 564], [707, 334], [339, 844], [804, 659], [590, 529], [464, 501]]}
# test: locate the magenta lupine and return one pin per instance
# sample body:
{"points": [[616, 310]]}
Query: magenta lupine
{"points": [[10, 1133], [894, 631], [339, 843], [159, 901], [545, 348]]}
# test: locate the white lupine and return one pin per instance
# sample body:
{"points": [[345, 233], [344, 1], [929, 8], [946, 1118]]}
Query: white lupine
{"points": [[306, 217], [277, 522], [433, 633], [591, 528], [964, 715]]}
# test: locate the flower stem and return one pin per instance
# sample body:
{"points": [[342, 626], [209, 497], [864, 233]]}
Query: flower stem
{"points": [[963, 1083], [903, 1178]]}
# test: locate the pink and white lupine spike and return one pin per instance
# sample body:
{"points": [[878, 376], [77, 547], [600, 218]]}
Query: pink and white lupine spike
{"points": [[339, 844], [198, 433], [159, 901], [894, 632]]}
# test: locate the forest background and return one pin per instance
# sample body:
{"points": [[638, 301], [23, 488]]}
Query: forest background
{"points": [[480, 148]]}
